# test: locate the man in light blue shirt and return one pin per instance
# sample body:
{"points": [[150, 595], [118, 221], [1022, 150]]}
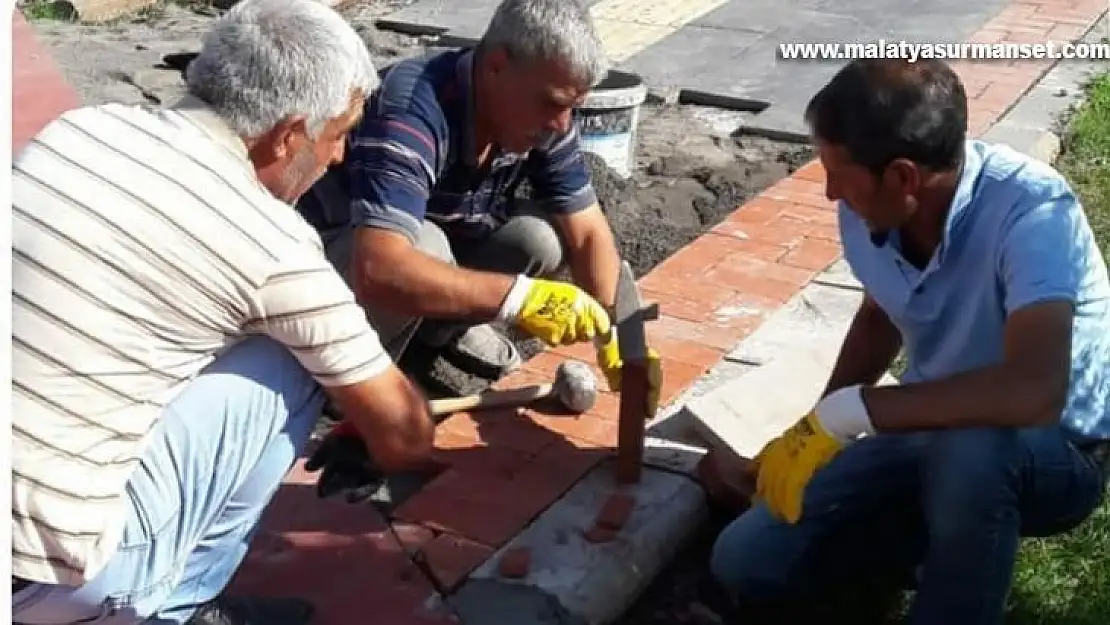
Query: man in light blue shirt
{"points": [[980, 263]]}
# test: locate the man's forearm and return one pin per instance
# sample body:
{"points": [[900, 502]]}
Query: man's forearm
{"points": [[595, 266], [997, 396], [403, 278], [868, 350]]}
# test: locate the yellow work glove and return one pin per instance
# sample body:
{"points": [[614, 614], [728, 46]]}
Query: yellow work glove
{"points": [[788, 463], [558, 313], [609, 361]]}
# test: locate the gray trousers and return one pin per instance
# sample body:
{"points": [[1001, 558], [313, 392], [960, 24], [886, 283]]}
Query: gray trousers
{"points": [[527, 243]]}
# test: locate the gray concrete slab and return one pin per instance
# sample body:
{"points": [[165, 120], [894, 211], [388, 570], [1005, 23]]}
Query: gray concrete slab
{"points": [[761, 16], [693, 61], [591, 583], [462, 19]]}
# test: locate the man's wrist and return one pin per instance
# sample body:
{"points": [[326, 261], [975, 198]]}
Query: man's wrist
{"points": [[514, 300], [843, 414]]}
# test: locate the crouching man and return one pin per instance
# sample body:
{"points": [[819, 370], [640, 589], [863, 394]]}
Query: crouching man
{"points": [[980, 263], [176, 327], [421, 215]]}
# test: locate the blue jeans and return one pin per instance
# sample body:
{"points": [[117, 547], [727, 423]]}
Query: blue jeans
{"points": [[212, 464], [954, 503]]}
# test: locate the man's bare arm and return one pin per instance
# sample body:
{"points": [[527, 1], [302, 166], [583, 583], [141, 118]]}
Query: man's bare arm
{"points": [[869, 348], [592, 253], [1029, 388], [387, 267], [392, 417]]}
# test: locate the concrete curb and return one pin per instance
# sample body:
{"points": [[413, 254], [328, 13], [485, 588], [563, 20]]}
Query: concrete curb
{"points": [[591, 583]]}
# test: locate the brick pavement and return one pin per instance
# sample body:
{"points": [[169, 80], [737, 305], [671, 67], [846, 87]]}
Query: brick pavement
{"points": [[503, 468], [39, 91]]}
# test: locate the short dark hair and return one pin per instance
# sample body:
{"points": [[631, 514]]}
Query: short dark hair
{"points": [[882, 109]]}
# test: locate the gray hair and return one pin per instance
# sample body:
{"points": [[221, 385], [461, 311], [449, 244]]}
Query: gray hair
{"points": [[549, 30], [267, 60]]}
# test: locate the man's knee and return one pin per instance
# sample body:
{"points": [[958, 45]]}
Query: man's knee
{"points": [[529, 244], [540, 244], [969, 472], [750, 557], [432, 241], [257, 377]]}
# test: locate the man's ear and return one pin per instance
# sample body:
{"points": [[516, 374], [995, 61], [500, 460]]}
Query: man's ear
{"points": [[496, 61], [283, 140], [902, 177]]}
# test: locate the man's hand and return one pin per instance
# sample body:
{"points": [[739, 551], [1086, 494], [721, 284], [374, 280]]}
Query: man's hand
{"points": [[558, 313], [788, 463], [347, 466], [609, 360]]}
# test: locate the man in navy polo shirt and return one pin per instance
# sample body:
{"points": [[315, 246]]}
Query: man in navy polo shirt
{"points": [[980, 263], [421, 218]]}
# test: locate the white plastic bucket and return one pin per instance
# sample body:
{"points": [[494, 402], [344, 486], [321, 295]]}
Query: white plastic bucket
{"points": [[608, 118]]}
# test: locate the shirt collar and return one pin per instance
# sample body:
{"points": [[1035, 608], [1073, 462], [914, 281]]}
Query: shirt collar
{"points": [[205, 119], [965, 193], [464, 86]]}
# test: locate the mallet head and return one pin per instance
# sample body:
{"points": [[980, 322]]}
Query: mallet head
{"points": [[575, 385]]}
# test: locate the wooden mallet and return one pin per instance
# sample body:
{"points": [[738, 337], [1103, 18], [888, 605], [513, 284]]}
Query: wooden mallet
{"points": [[575, 387]]}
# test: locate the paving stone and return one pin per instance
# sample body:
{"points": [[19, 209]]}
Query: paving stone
{"points": [[501, 428], [591, 428], [341, 557], [40, 92], [812, 254], [761, 16], [488, 505], [766, 279], [748, 412], [616, 510], [819, 314], [694, 59], [466, 20], [515, 562], [839, 274], [451, 558]]}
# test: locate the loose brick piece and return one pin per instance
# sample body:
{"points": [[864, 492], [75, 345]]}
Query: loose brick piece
{"points": [[598, 534], [516, 563], [615, 511]]}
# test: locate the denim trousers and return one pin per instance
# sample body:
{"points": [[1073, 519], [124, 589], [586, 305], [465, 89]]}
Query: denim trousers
{"points": [[212, 464], [949, 507]]}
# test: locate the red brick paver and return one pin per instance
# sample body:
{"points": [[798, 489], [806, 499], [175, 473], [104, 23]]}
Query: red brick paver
{"points": [[39, 90], [503, 468]]}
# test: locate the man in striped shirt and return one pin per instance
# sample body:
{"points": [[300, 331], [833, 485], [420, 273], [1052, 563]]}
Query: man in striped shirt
{"points": [[176, 327], [421, 218]]}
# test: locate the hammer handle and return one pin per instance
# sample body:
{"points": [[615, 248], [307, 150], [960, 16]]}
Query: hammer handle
{"points": [[490, 399]]}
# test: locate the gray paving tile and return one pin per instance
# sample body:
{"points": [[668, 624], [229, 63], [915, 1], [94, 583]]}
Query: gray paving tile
{"points": [[699, 58], [756, 15], [461, 19]]}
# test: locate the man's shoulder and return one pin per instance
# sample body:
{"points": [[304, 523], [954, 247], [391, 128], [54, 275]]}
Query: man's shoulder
{"points": [[414, 85], [1008, 172]]}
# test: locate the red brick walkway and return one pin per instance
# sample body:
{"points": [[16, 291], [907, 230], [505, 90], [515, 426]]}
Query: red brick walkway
{"points": [[505, 468], [39, 91]]}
